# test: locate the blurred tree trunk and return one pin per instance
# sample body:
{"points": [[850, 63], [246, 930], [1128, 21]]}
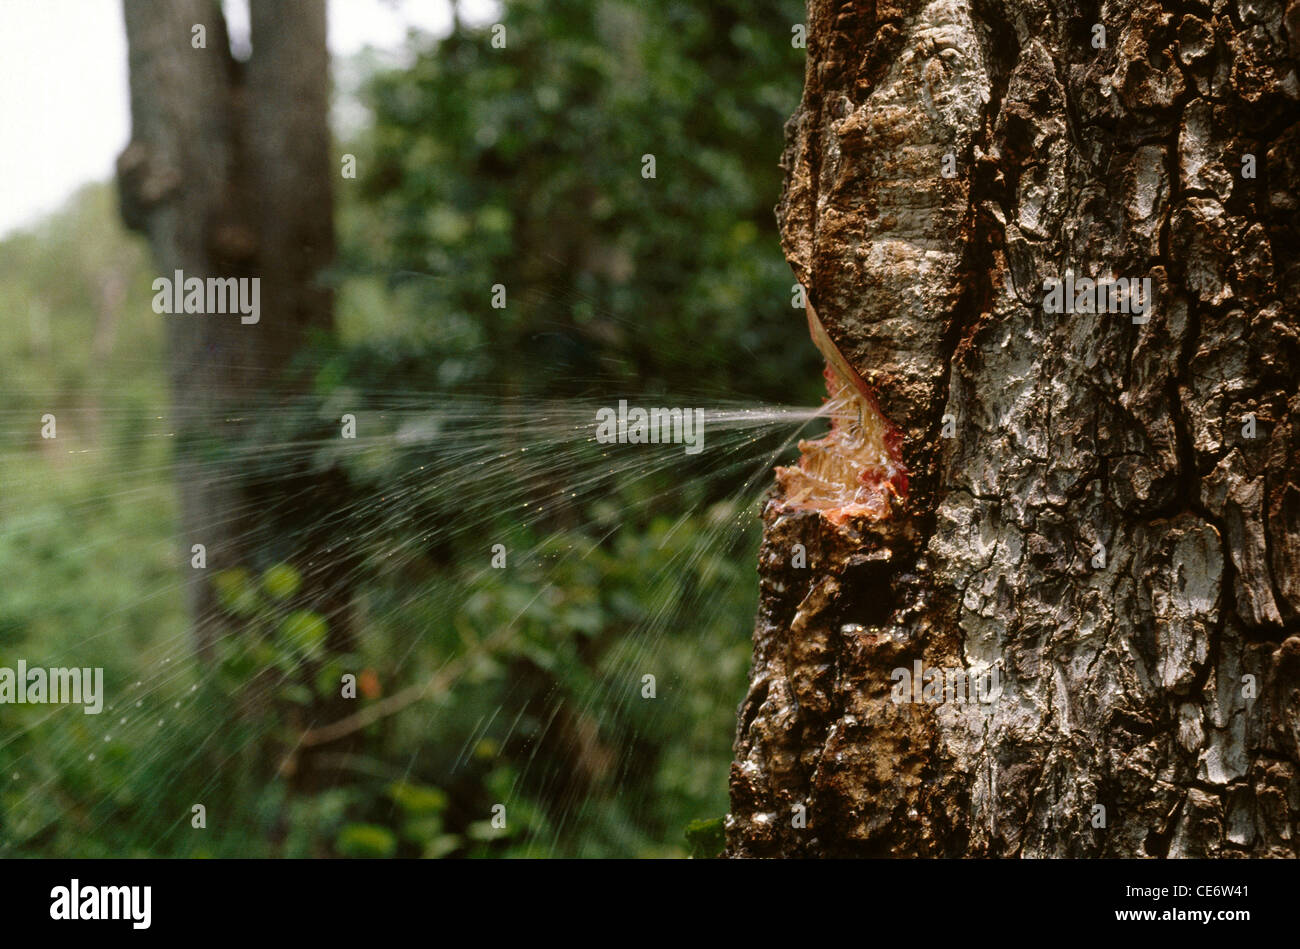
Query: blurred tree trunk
{"points": [[1100, 523], [228, 175]]}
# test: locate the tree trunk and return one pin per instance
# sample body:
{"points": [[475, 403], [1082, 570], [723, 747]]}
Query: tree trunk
{"points": [[1091, 521], [228, 174]]}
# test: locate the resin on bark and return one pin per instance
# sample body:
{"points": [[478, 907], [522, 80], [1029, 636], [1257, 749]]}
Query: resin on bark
{"points": [[856, 469]]}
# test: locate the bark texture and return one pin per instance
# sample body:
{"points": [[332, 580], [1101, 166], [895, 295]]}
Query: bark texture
{"points": [[1098, 523]]}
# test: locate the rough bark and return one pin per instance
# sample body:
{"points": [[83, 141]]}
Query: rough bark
{"points": [[228, 175], [1123, 674]]}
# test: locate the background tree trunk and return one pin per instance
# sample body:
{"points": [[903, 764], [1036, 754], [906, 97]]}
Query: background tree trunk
{"points": [[228, 174], [1150, 700]]}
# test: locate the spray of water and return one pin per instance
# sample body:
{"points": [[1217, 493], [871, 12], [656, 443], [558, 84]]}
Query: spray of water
{"points": [[449, 469]]}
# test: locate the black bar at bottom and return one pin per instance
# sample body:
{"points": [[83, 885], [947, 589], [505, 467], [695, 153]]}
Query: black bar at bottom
{"points": [[614, 899]]}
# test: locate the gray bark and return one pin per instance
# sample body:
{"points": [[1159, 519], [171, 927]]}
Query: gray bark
{"points": [[228, 175], [1164, 685]]}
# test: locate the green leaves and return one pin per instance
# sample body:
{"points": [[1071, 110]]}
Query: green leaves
{"points": [[422, 819], [706, 838], [281, 581], [236, 592], [517, 166], [416, 800], [290, 642], [366, 840], [521, 166], [240, 594], [305, 632]]}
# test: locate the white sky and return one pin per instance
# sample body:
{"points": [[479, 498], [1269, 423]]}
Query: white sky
{"points": [[64, 111]]}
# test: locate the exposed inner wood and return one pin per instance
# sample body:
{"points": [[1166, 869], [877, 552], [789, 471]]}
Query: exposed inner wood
{"points": [[855, 470]]}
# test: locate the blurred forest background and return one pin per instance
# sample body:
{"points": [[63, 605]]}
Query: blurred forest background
{"points": [[476, 166]]}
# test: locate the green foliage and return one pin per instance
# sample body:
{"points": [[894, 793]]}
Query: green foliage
{"points": [[304, 632], [483, 166], [281, 581], [522, 167], [366, 840], [706, 838]]}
